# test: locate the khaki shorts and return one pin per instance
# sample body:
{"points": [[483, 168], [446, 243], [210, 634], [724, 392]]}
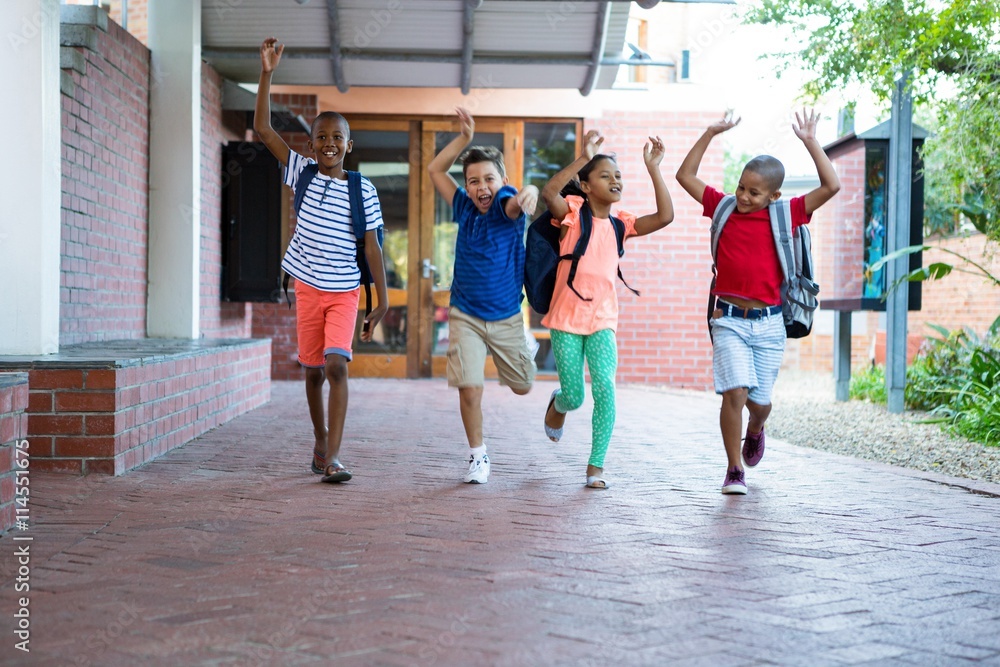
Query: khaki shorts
{"points": [[470, 338]]}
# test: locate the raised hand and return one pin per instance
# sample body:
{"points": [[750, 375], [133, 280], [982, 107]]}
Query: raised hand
{"points": [[592, 143], [527, 199], [270, 54], [727, 123], [652, 152], [467, 126], [806, 124]]}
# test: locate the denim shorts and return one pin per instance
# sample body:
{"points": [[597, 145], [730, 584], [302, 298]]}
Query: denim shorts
{"points": [[748, 353]]}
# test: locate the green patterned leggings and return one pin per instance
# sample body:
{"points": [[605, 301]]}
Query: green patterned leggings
{"points": [[601, 352]]}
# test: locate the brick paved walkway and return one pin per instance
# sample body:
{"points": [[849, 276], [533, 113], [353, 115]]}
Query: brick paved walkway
{"points": [[229, 552]]}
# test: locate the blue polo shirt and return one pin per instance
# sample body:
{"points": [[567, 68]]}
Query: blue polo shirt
{"points": [[489, 258]]}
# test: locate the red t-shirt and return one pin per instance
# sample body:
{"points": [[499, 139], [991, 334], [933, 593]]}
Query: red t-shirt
{"points": [[747, 260]]}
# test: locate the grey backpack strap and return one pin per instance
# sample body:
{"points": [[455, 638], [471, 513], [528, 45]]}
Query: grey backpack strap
{"points": [[722, 212], [781, 228], [724, 209]]}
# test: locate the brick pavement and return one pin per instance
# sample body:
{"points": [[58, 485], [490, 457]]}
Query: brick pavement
{"points": [[228, 551]]}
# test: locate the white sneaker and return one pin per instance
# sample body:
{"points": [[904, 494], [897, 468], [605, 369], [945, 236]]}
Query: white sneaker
{"points": [[479, 470]]}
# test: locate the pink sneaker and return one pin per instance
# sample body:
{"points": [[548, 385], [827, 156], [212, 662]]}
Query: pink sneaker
{"points": [[734, 482], [753, 447]]}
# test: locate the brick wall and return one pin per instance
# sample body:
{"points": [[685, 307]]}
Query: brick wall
{"points": [[960, 299], [838, 230], [662, 335], [13, 430], [219, 319], [107, 415], [105, 164], [138, 18]]}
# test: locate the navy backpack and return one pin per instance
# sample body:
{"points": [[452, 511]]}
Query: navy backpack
{"points": [[542, 257]]}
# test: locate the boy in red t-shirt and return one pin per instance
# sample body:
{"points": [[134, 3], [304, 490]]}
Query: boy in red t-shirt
{"points": [[748, 330]]}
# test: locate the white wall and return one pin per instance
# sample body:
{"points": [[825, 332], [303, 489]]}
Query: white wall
{"points": [[30, 178], [174, 169]]}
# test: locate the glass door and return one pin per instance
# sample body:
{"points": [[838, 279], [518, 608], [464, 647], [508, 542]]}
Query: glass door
{"points": [[382, 153]]}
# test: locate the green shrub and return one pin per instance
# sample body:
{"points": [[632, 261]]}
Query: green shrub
{"points": [[957, 379], [869, 385]]}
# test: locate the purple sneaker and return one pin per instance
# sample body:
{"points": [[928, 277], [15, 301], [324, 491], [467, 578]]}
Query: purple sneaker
{"points": [[734, 482], [753, 447]]}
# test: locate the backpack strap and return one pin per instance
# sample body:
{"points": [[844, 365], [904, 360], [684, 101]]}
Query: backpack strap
{"points": [[357, 205], [586, 230], [722, 212], [306, 177], [781, 227], [619, 227], [360, 222], [586, 227]]}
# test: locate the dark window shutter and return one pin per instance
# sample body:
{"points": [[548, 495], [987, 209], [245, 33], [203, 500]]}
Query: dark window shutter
{"points": [[251, 223]]}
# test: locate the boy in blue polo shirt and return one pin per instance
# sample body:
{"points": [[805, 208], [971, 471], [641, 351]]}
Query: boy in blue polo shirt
{"points": [[486, 291]]}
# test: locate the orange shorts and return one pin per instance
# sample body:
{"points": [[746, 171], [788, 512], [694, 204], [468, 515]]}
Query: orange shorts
{"points": [[325, 322]]}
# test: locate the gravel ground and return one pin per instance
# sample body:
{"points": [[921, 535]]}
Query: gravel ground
{"points": [[806, 413]]}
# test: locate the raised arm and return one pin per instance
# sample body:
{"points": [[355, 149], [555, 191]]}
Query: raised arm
{"points": [[554, 201], [829, 182], [439, 166], [687, 173], [652, 155], [270, 56]]}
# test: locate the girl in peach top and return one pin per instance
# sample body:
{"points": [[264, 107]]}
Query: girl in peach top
{"points": [[585, 329]]}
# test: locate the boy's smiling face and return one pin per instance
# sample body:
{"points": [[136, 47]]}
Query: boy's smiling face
{"points": [[753, 193], [330, 141], [482, 182]]}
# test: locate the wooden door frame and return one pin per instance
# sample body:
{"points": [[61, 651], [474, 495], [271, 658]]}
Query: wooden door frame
{"points": [[512, 132], [395, 365]]}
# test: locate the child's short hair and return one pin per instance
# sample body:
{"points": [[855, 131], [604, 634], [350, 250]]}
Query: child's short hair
{"points": [[330, 115], [483, 154], [768, 168]]}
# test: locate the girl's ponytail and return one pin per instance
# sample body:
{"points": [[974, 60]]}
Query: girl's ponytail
{"points": [[572, 188]]}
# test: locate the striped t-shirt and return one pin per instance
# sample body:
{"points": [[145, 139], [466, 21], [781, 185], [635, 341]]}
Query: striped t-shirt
{"points": [[489, 258], [323, 249]]}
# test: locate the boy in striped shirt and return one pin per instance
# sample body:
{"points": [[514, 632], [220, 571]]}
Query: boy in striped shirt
{"points": [[486, 291], [322, 258]]}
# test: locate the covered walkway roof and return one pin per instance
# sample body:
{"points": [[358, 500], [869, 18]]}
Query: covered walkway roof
{"points": [[424, 43]]}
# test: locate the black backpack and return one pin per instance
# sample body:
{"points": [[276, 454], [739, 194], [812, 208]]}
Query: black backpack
{"points": [[542, 257], [357, 220]]}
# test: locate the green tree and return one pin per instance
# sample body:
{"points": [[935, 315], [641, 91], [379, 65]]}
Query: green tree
{"points": [[950, 48], [732, 169]]}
